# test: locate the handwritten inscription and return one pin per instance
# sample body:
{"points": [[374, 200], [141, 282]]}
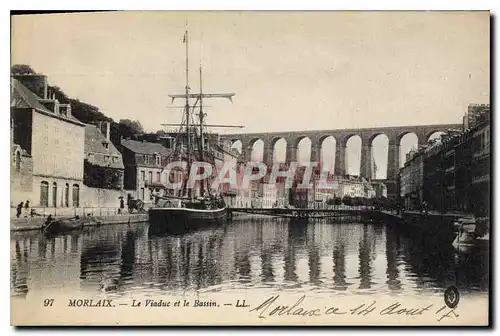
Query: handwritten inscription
{"points": [[276, 306], [272, 307]]}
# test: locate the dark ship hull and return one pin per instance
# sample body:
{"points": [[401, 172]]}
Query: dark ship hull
{"points": [[182, 220]]}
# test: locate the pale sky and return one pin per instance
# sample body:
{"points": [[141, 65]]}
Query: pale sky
{"points": [[289, 70]]}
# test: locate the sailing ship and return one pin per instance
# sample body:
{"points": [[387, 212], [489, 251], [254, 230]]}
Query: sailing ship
{"points": [[190, 210]]}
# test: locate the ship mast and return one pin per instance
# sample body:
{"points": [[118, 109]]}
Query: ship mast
{"points": [[187, 108], [202, 137], [201, 116], [188, 126]]}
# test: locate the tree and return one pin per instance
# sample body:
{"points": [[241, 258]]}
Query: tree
{"points": [[149, 137], [338, 201], [385, 202], [347, 200], [330, 201], [88, 113], [21, 69], [129, 128], [357, 201], [96, 176]]}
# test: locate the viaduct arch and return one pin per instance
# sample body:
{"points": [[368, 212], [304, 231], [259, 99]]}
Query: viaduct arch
{"points": [[367, 135]]}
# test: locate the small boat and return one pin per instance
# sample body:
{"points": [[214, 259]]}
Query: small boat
{"points": [[468, 235], [55, 226]]}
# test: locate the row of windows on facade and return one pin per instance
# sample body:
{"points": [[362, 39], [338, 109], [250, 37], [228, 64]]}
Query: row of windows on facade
{"points": [[44, 195], [68, 135], [177, 175], [107, 158], [142, 193], [148, 159], [60, 164]]}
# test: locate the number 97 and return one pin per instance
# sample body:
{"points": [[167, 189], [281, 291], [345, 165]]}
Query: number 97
{"points": [[48, 302]]}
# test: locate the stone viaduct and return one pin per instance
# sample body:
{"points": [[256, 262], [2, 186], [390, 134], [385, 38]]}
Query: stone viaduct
{"points": [[367, 135]]}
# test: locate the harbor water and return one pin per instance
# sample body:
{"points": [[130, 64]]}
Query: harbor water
{"points": [[319, 258]]}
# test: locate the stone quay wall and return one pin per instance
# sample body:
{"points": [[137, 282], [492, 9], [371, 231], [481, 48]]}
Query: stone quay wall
{"points": [[35, 223]]}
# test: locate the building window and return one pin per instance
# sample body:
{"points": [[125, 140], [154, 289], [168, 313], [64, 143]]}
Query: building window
{"points": [[54, 194], [46, 133], [18, 161], [142, 194], [76, 195], [158, 177], [145, 158], [158, 161], [106, 145], [106, 159], [66, 195], [44, 194], [150, 176], [143, 175], [56, 136]]}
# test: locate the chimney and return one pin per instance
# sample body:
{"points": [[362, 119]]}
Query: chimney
{"points": [[104, 127], [35, 83], [108, 130]]}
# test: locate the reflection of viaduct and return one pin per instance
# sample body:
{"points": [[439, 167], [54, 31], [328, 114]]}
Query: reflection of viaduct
{"points": [[341, 136]]}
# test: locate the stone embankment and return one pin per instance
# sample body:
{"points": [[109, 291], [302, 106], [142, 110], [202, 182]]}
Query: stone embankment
{"points": [[35, 223]]}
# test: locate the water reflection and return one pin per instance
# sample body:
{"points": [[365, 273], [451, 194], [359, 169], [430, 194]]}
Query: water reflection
{"points": [[321, 256]]}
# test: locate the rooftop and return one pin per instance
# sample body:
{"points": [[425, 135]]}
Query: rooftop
{"points": [[22, 97], [95, 143], [144, 147]]}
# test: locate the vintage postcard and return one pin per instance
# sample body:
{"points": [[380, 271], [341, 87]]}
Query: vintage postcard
{"points": [[250, 168]]}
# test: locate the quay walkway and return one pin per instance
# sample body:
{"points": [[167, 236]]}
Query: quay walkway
{"points": [[330, 212], [102, 215]]}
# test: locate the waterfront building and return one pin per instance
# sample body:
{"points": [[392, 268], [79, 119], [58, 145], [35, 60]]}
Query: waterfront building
{"points": [[144, 173], [481, 166], [380, 189], [336, 187], [302, 197], [224, 154], [282, 194], [48, 144], [103, 168], [267, 194], [352, 186], [412, 179], [244, 196], [370, 190], [21, 172], [324, 192], [457, 169], [217, 152]]}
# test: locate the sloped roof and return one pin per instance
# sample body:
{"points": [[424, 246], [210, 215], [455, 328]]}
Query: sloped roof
{"points": [[22, 97], [143, 147], [94, 143], [28, 98]]}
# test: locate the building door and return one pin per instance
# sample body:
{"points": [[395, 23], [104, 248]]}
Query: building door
{"points": [[44, 194], [54, 194], [66, 195], [18, 161], [76, 195]]}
